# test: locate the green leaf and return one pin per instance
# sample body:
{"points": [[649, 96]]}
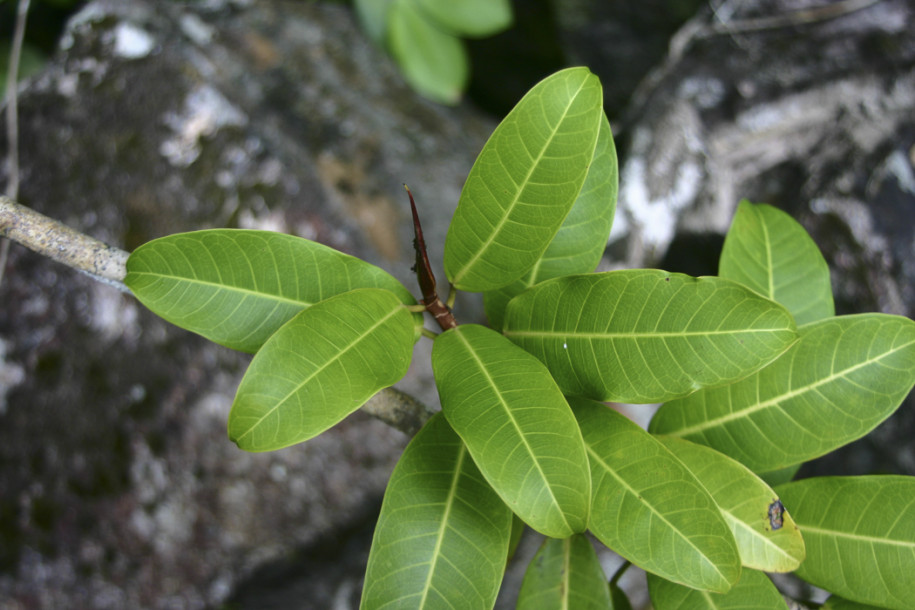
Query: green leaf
{"points": [[764, 543], [860, 535], [843, 377], [237, 287], [565, 574], [443, 533], [649, 508], [517, 426], [643, 335], [524, 182], [321, 366], [770, 252], [582, 237], [472, 18], [754, 591], [433, 61]]}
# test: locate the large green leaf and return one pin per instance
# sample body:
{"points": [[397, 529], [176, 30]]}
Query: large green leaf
{"points": [[518, 427], [524, 182], [645, 335], [472, 18], [443, 533], [843, 377], [860, 534], [648, 507], [433, 61], [768, 251], [321, 366], [565, 574], [766, 537], [237, 287], [582, 237], [754, 591]]}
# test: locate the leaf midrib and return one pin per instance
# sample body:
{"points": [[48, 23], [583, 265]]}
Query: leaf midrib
{"points": [[449, 503], [776, 400], [226, 287], [638, 335], [805, 529], [497, 229], [319, 370], [508, 413]]}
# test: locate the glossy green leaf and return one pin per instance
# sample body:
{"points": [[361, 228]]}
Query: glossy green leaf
{"points": [[770, 252], [321, 366], [582, 237], [754, 591], [644, 335], [472, 18], [843, 377], [443, 533], [433, 61], [860, 535], [237, 287], [648, 507], [768, 544], [524, 182], [517, 426], [565, 574]]}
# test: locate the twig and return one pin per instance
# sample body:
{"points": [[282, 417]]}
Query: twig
{"points": [[61, 243], [12, 117]]}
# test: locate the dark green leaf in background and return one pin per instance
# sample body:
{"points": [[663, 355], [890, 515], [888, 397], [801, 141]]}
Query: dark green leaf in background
{"points": [[582, 237], [648, 507], [860, 535], [744, 501], [768, 251], [373, 17], [321, 366], [524, 182], [565, 574], [433, 61], [754, 591], [443, 533], [517, 425], [644, 335], [843, 377], [237, 287]]}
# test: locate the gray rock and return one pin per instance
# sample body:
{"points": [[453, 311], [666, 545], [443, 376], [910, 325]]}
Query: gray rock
{"points": [[119, 487]]}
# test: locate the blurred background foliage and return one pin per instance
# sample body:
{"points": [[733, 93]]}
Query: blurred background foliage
{"points": [[488, 51]]}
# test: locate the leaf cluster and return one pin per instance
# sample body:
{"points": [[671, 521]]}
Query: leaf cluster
{"points": [[756, 372], [424, 38]]}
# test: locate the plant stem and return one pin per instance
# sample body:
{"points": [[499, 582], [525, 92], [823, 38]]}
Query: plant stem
{"points": [[59, 242]]}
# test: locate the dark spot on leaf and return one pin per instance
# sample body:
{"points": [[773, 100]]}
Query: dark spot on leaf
{"points": [[776, 510]]}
